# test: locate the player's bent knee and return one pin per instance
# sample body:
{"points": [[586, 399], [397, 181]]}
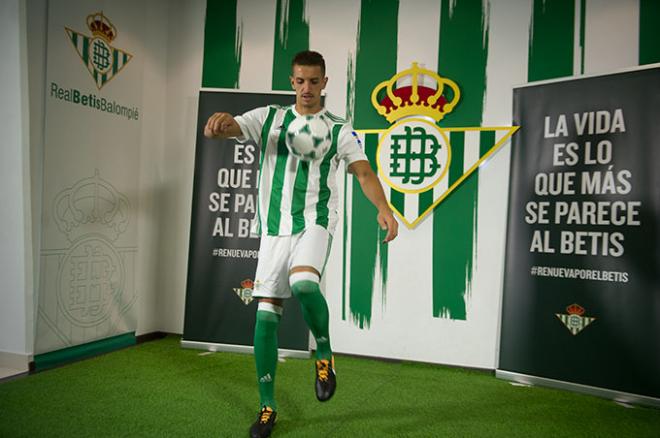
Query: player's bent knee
{"points": [[267, 308], [304, 282], [304, 268], [276, 301]]}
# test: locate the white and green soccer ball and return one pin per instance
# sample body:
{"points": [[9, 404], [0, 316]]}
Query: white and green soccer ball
{"points": [[308, 137]]}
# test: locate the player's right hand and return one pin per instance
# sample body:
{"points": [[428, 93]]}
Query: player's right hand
{"points": [[221, 125]]}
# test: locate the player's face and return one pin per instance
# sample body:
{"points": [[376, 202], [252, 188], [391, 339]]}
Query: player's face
{"points": [[308, 81]]}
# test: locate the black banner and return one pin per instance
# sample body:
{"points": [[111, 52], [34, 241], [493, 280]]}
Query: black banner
{"points": [[222, 257], [581, 289]]}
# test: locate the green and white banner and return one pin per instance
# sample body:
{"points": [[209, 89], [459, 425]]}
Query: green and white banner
{"points": [[434, 294], [87, 289]]}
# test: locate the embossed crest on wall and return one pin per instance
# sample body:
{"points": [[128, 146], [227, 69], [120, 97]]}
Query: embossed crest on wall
{"points": [[93, 277]]}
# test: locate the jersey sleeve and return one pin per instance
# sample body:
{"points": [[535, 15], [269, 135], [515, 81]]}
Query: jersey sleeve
{"points": [[251, 123], [349, 146]]}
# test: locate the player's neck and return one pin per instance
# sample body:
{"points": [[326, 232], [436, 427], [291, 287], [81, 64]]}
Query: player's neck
{"points": [[305, 111]]}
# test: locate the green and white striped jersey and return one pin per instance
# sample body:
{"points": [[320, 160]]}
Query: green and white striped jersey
{"points": [[294, 194]]}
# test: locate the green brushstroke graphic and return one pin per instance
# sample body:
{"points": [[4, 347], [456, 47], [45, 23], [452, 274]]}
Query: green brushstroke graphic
{"points": [[291, 37], [222, 45], [463, 55], [350, 104], [364, 246], [649, 31], [375, 62], [454, 236], [551, 36]]}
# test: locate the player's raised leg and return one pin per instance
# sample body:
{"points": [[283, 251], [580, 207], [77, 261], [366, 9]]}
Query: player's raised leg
{"points": [[304, 283]]}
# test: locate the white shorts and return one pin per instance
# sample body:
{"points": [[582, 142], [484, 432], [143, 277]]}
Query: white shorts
{"points": [[278, 254]]}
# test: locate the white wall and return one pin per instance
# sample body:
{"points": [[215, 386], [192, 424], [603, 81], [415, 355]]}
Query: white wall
{"points": [[152, 174], [172, 79], [16, 287], [176, 159], [37, 18]]}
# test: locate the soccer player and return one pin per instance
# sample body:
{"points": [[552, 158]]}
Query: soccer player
{"points": [[297, 214]]}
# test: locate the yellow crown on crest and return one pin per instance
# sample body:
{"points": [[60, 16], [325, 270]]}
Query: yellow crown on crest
{"points": [[101, 27], [415, 99]]}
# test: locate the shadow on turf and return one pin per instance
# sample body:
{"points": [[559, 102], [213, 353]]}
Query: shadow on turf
{"points": [[397, 420]]}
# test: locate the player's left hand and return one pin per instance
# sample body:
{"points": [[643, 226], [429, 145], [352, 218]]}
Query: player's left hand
{"points": [[387, 222]]}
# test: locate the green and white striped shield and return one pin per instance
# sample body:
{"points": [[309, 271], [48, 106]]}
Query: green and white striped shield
{"points": [[101, 59], [467, 149]]}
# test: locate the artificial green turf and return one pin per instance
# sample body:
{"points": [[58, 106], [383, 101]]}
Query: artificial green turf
{"points": [[159, 389]]}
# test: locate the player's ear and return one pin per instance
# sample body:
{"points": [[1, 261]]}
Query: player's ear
{"points": [[325, 81], [292, 83]]}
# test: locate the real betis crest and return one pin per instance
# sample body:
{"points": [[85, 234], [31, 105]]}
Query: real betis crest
{"points": [[102, 60], [574, 321], [245, 291], [420, 161]]}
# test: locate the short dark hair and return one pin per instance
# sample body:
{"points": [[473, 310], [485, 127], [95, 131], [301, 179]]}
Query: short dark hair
{"points": [[309, 57]]}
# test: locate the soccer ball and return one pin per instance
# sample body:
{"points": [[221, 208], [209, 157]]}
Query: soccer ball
{"points": [[308, 137]]}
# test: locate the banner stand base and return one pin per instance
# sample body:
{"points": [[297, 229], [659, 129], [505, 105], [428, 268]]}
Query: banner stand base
{"points": [[233, 348], [617, 396]]}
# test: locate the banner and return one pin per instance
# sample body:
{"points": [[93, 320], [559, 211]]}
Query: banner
{"points": [[220, 311], [581, 287], [91, 162]]}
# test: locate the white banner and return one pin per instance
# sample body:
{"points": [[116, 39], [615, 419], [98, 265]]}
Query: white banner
{"points": [[91, 163]]}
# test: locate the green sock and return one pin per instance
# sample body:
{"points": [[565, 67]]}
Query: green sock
{"points": [[315, 312], [265, 355]]}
